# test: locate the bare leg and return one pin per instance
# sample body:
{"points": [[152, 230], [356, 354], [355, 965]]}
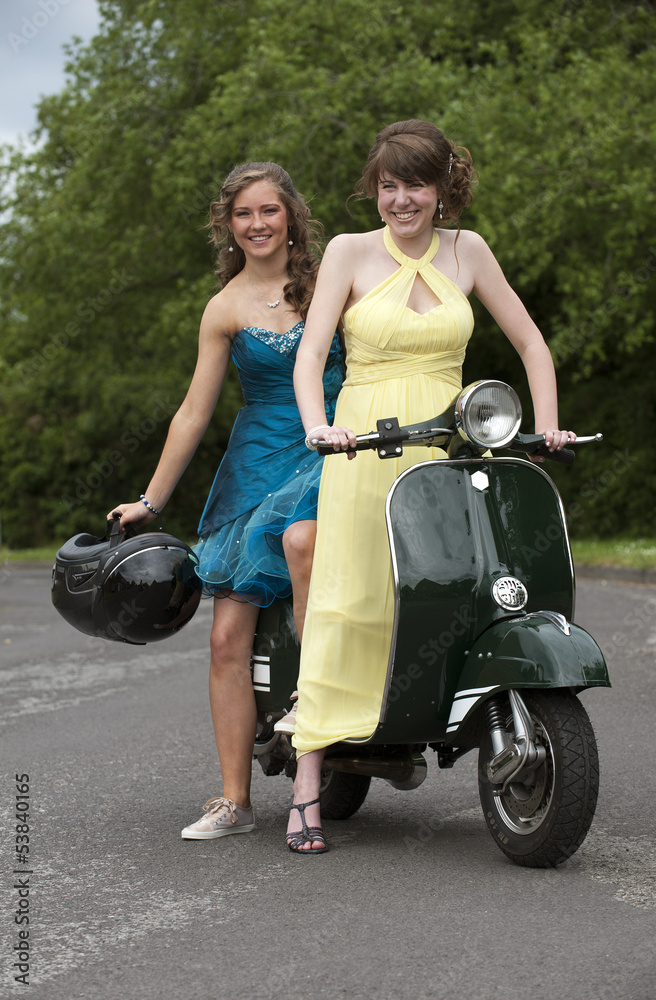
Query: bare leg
{"points": [[306, 789], [298, 546], [232, 701]]}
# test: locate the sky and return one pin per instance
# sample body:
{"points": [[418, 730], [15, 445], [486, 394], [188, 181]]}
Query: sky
{"points": [[32, 33]]}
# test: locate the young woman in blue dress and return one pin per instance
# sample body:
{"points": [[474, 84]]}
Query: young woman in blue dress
{"points": [[258, 527]]}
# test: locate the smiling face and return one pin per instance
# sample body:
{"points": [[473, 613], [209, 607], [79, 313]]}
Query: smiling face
{"points": [[258, 220], [407, 207]]}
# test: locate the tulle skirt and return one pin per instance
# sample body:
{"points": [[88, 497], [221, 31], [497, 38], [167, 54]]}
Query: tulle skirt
{"points": [[244, 558]]}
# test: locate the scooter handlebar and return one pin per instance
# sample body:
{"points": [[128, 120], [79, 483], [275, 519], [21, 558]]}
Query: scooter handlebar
{"points": [[390, 439], [534, 445], [364, 442]]}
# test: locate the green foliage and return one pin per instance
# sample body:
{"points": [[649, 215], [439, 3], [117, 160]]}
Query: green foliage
{"points": [[105, 266], [636, 553]]}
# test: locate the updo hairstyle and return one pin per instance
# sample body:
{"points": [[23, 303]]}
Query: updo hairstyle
{"points": [[418, 150]]}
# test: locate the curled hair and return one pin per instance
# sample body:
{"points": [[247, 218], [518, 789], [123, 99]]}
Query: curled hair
{"points": [[418, 150], [303, 257]]}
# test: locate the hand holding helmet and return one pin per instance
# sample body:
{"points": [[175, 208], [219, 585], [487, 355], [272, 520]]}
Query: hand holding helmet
{"points": [[126, 587], [134, 514]]}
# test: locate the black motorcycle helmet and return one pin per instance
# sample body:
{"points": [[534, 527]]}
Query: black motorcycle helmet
{"points": [[126, 587]]}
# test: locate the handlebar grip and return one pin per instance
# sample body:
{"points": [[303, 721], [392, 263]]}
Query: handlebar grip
{"points": [[565, 456], [363, 443], [323, 449]]}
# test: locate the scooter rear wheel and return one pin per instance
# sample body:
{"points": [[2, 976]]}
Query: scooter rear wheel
{"points": [[342, 794], [542, 820]]}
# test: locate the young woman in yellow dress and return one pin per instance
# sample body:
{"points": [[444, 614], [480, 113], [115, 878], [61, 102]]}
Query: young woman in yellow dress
{"points": [[402, 294]]}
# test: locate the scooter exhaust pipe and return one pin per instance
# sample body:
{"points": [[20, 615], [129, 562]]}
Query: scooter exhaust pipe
{"points": [[404, 773]]}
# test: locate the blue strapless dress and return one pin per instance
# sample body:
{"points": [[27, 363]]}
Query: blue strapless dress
{"points": [[267, 478]]}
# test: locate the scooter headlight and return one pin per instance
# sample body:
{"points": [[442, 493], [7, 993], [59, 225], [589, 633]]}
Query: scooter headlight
{"points": [[488, 414]]}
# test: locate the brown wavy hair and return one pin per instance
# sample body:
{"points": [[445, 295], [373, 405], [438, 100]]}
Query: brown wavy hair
{"points": [[305, 232], [418, 150]]}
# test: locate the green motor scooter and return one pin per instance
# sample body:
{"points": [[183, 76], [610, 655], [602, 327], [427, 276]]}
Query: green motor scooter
{"points": [[484, 653]]}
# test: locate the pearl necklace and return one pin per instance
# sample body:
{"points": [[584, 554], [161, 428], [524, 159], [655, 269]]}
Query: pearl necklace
{"points": [[271, 305]]}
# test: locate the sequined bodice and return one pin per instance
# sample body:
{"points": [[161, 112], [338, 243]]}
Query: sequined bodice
{"points": [[284, 343]]}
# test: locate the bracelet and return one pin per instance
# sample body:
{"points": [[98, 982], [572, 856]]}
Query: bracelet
{"points": [[150, 506], [308, 436]]}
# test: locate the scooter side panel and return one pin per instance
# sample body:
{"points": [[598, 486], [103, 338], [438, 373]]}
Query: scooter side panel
{"points": [[455, 527], [275, 657], [526, 652]]}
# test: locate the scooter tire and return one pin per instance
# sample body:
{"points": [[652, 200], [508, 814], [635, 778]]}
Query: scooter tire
{"points": [[342, 794], [542, 822]]}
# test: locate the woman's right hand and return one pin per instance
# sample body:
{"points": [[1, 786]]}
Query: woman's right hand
{"points": [[132, 513], [340, 439]]}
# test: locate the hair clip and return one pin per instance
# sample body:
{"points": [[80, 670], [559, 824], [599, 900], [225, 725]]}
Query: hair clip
{"points": [[450, 162]]}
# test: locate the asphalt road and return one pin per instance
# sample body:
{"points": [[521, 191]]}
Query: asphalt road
{"points": [[414, 900]]}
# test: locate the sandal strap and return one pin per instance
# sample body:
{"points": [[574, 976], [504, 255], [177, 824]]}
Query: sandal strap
{"points": [[301, 807], [307, 833], [316, 833], [295, 842], [313, 833]]}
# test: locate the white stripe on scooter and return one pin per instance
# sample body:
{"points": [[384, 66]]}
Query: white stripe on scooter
{"points": [[463, 702], [460, 709], [261, 673], [477, 691]]}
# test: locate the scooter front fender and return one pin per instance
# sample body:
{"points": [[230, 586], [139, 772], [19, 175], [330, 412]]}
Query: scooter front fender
{"points": [[538, 650]]}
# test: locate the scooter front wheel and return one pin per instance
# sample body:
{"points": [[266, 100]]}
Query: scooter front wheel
{"points": [[541, 820]]}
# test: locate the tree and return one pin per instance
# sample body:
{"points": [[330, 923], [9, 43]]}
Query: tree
{"points": [[104, 265]]}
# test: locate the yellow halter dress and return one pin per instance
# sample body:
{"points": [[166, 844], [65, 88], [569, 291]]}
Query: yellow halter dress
{"points": [[399, 364]]}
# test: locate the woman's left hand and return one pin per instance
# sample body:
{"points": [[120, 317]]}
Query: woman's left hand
{"points": [[557, 440], [554, 441]]}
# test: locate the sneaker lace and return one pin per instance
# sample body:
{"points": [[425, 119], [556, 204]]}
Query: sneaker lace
{"points": [[213, 808]]}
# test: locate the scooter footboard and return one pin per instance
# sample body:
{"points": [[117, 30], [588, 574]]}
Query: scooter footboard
{"points": [[538, 650]]}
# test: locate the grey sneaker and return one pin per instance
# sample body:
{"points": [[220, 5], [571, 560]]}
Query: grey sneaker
{"points": [[288, 722], [222, 817]]}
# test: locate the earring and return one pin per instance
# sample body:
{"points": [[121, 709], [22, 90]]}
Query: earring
{"points": [[290, 242], [440, 206], [231, 249]]}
